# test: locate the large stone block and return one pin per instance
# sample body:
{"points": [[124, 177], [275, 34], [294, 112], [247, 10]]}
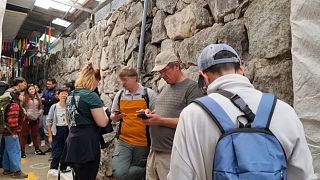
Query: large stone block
{"points": [[91, 41], [132, 62], [192, 72], [151, 52], [112, 82], [170, 45], [99, 34], [203, 17], [96, 57], [104, 59], [221, 8], [235, 35], [158, 29], [181, 25], [190, 48], [116, 50], [167, 5], [133, 42], [272, 75], [268, 27], [134, 16], [119, 27]]}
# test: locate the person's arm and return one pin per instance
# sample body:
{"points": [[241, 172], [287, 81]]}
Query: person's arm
{"points": [[300, 163], [100, 117], [50, 133], [116, 115], [180, 166], [49, 121], [156, 120]]}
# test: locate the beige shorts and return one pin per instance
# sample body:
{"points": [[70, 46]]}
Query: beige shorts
{"points": [[158, 165]]}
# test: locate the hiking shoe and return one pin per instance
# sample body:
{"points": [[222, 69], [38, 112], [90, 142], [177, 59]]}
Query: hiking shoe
{"points": [[39, 152], [19, 175], [23, 154], [7, 172]]}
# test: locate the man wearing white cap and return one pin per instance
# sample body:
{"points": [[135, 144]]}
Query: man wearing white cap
{"points": [[176, 95], [197, 134]]}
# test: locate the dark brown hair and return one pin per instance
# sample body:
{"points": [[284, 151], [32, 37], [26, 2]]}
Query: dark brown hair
{"points": [[28, 97]]}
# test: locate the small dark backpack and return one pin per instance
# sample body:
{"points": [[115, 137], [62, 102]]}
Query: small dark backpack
{"points": [[250, 151], [5, 101], [3, 87]]}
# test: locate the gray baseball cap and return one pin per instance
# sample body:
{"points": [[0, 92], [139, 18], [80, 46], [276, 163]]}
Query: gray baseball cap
{"points": [[207, 58]]}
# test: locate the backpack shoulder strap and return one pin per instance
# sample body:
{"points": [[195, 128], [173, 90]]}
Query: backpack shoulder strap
{"points": [[239, 103], [119, 97], [216, 112], [145, 96], [265, 111]]}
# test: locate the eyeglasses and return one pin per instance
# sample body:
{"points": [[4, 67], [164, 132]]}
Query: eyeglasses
{"points": [[164, 70]]}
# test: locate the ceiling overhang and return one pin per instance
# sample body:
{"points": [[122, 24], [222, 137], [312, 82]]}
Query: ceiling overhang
{"points": [[12, 22]]}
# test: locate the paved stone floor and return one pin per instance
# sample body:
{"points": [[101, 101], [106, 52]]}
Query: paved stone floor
{"points": [[36, 166]]}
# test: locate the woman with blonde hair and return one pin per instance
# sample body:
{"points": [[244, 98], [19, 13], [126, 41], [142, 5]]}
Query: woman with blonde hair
{"points": [[85, 115]]}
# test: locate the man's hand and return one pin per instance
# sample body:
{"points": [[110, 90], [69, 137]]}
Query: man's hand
{"points": [[153, 120], [14, 136], [117, 115]]}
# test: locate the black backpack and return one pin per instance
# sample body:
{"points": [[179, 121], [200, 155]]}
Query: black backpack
{"points": [[3, 87]]}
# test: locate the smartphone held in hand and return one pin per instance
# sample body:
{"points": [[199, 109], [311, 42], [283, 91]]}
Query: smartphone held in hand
{"points": [[142, 116]]}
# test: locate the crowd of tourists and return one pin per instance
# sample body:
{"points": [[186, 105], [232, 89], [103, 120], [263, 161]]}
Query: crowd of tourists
{"points": [[220, 127]]}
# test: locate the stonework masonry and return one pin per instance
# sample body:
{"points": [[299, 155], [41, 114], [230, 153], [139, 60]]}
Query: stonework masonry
{"points": [[259, 30]]}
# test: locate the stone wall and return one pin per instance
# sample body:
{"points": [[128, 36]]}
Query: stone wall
{"points": [[259, 30]]}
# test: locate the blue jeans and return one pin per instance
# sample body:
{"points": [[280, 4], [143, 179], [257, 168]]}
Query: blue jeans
{"points": [[1, 149], [12, 154], [129, 162]]}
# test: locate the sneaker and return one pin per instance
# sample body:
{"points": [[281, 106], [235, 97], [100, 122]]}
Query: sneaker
{"points": [[65, 170], [39, 152], [43, 143], [19, 175], [31, 144], [23, 154], [7, 172]]}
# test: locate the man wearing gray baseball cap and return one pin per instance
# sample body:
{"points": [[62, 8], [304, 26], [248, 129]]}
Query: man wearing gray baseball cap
{"points": [[198, 132], [176, 95]]}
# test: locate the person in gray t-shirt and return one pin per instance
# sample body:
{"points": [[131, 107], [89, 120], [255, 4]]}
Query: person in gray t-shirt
{"points": [[177, 94]]}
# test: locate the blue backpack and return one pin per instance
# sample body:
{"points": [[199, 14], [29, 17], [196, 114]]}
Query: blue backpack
{"points": [[250, 151]]}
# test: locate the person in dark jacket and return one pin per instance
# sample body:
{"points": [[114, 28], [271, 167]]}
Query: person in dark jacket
{"points": [[48, 99]]}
